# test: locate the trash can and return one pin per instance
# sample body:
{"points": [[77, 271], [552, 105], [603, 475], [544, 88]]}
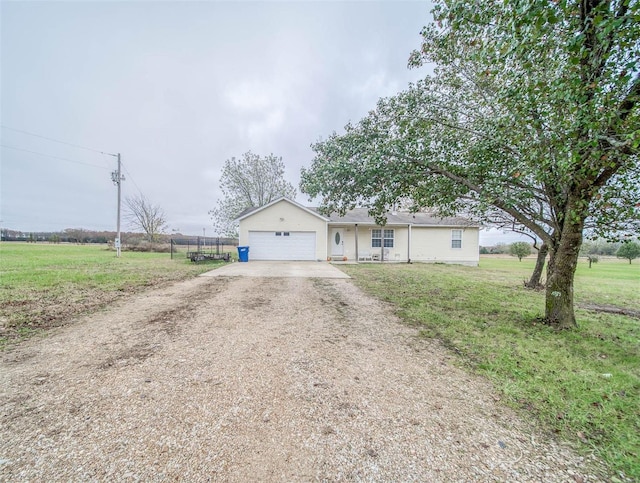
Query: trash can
{"points": [[243, 254]]}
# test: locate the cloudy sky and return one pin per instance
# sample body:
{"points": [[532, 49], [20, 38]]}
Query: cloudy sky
{"points": [[177, 88]]}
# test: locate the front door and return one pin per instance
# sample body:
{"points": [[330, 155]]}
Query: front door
{"points": [[337, 242]]}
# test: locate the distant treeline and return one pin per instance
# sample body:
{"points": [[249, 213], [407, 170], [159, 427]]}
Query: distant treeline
{"points": [[589, 247], [82, 236]]}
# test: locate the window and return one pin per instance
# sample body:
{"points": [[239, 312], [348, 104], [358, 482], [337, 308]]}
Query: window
{"points": [[286, 233], [278, 233], [388, 238], [382, 237], [376, 238], [456, 238]]}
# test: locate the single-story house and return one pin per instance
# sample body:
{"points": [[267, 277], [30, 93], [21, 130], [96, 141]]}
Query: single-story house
{"points": [[286, 230]]}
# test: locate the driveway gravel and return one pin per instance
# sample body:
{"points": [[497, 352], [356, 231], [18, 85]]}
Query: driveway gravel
{"points": [[259, 379], [277, 270]]}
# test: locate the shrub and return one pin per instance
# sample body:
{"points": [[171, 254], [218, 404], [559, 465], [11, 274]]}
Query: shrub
{"points": [[520, 249], [629, 250], [148, 247]]}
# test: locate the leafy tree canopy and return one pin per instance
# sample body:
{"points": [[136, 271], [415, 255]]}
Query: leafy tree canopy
{"points": [[250, 181], [532, 110], [520, 249], [629, 250]]}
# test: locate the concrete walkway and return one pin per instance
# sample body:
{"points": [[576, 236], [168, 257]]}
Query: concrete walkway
{"points": [[277, 269]]}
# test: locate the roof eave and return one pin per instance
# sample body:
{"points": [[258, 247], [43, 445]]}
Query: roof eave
{"points": [[282, 198]]}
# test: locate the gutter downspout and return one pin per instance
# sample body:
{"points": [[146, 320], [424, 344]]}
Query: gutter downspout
{"points": [[409, 245]]}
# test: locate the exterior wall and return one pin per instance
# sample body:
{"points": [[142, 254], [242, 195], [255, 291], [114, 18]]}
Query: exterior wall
{"points": [[397, 253], [285, 216], [428, 244], [433, 244]]}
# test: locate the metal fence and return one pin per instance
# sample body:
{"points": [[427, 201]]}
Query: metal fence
{"points": [[207, 247]]}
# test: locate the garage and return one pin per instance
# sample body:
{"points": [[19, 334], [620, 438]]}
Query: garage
{"points": [[282, 245]]}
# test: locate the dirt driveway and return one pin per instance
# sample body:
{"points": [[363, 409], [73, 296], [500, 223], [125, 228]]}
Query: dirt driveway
{"points": [[257, 379]]}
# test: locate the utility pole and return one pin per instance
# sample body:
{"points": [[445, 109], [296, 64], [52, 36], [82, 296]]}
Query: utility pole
{"points": [[117, 178]]}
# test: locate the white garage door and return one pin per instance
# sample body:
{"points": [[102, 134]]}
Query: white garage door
{"points": [[282, 245]]}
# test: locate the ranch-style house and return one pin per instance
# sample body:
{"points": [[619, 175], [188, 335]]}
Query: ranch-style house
{"points": [[286, 230]]}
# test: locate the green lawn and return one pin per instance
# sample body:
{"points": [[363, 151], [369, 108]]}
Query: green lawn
{"points": [[583, 384], [612, 281], [43, 285]]}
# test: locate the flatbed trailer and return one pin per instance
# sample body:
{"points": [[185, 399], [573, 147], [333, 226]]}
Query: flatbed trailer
{"points": [[203, 257]]}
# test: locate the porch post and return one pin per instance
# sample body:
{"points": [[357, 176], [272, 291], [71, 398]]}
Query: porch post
{"points": [[357, 254], [409, 245]]}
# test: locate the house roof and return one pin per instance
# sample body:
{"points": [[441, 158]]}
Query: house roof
{"points": [[250, 211], [246, 212], [361, 216]]}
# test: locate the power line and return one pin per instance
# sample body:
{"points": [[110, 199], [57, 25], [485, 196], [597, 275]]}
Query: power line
{"points": [[55, 140], [68, 144], [54, 157], [132, 180]]}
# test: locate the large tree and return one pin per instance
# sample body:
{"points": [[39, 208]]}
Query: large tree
{"points": [[532, 109], [144, 215], [247, 182]]}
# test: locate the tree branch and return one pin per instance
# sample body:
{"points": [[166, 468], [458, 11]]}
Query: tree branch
{"points": [[496, 202]]}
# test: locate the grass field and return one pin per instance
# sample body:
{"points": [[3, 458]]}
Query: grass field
{"points": [[43, 285], [612, 281], [583, 384]]}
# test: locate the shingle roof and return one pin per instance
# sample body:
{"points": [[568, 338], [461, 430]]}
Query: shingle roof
{"points": [[361, 216], [246, 211]]}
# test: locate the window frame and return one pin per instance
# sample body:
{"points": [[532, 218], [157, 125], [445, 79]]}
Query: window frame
{"points": [[383, 237], [455, 239], [386, 238]]}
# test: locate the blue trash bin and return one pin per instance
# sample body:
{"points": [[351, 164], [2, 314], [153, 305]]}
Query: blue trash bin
{"points": [[243, 254]]}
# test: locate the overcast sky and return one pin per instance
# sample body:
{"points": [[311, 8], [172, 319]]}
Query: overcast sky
{"points": [[177, 88]]}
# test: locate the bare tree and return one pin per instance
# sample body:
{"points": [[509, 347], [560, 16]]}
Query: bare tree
{"points": [[144, 215]]}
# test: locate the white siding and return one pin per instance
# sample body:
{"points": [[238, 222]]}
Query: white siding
{"points": [[433, 244], [285, 216], [428, 244], [267, 245], [397, 253]]}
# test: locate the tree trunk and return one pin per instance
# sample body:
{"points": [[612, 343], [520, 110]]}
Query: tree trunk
{"points": [[534, 281], [560, 272]]}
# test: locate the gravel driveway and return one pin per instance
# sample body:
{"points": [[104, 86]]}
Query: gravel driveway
{"points": [[258, 379], [278, 270]]}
